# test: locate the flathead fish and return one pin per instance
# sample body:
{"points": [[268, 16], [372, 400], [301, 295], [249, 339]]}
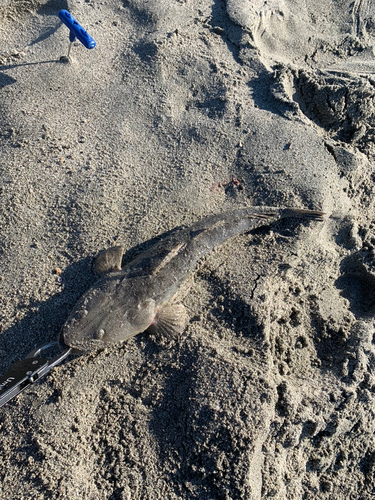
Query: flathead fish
{"points": [[128, 300]]}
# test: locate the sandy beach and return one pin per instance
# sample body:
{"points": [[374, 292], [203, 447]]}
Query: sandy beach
{"points": [[187, 108]]}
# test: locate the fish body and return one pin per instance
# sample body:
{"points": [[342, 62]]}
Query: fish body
{"points": [[128, 300]]}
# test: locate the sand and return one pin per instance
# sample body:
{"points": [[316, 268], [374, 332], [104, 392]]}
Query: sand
{"points": [[187, 108]]}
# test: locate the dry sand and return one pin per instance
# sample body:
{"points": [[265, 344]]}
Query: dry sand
{"points": [[270, 392]]}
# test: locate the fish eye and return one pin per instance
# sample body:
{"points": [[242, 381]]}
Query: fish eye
{"points": [[99, 334]]}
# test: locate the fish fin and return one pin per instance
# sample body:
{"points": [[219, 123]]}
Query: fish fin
{"points": [[169, 257], [170, 320], [300, 213], [109, 260]]}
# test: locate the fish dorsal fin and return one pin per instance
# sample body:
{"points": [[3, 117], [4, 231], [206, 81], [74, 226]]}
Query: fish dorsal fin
{"points": [[175, 251], [109, 260], [170, 320]]}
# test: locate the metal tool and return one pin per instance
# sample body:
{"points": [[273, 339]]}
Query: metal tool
{"points": [[24, 373]]}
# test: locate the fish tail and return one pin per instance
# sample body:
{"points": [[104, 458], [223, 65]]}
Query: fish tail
{"points": [[300, 213]]}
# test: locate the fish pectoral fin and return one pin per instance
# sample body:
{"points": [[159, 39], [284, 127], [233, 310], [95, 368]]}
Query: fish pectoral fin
{"points": [[170, 320], [109, 260]]}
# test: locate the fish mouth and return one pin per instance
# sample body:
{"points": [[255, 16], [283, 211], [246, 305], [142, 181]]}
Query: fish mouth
{"points": [[85, 345]]}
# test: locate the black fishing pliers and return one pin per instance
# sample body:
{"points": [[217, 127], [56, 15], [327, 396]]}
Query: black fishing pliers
{"points": [[24, 373]]}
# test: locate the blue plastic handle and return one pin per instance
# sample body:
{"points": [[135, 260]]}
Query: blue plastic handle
{"points": [[76, 30]]}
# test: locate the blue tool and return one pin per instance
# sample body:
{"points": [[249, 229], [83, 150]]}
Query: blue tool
{"points": [[76, 31]]}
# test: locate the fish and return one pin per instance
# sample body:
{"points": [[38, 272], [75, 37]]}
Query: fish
{"points": [[142, 295]]}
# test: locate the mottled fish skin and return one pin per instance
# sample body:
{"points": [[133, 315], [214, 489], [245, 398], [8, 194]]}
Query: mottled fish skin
{"points": [[126, 301]]}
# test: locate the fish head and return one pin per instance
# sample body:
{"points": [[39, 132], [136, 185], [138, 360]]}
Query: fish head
{"points": [[102, 317]]}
